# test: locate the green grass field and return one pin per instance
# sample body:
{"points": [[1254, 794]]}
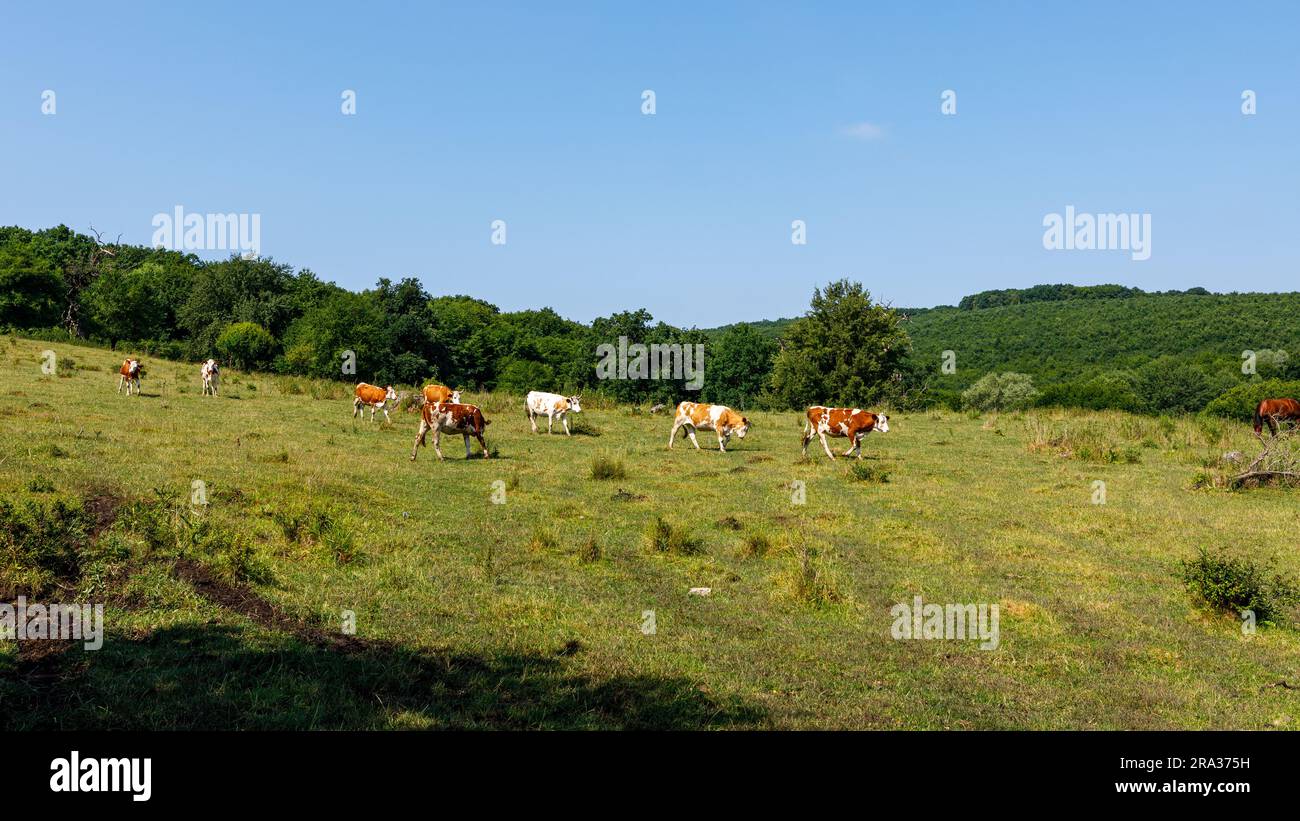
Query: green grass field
{"points": [[532, 613]]}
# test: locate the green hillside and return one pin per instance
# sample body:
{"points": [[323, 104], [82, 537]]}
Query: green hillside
{"points": [[1059, 341], [1092, 350]]}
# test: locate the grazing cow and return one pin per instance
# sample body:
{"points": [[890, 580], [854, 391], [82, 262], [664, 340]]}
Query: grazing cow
{"points": [[719, 418], [209, 374], [375, 397], [448, 417], [129, 375], [1272, 411], [433, 394], [551, 405], [850, 422]]}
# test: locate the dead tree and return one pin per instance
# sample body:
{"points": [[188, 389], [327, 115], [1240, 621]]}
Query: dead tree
{"points": [[79, 273], [1279, 461]]}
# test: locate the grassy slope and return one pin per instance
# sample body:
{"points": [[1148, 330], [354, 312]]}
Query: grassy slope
{"points": [[1096, 631]]}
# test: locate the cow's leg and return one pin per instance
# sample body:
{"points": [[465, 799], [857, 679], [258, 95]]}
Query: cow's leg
{"points": [[531, 420], [437, 440], [479, 436], [690, 431], [1272, 424], [807, 437], [565, 421], [465, 436], [672, 437], [550, 421], [387, 418], [826, 445], [419, 437], [722, 442], [854, 444], [120, 380]]}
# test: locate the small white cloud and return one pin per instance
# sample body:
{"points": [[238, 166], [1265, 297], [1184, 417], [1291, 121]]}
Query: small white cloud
{"points": [[863, 131]]}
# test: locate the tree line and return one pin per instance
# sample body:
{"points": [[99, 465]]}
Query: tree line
{"points": [[265, 315], [1097, 347]]}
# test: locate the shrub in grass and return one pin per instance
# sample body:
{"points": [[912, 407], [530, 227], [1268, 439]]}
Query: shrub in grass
{"points": [[1231, 582], [806, 578], [317, 526], [542, 541], [589, 551], [607, 467], [41, 543], [665, 538], [729, 523], [39, 484], [755, 544], [869, 472]]}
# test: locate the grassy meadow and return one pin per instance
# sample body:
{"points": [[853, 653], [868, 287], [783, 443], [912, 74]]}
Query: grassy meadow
{"points": [[517, 591]]}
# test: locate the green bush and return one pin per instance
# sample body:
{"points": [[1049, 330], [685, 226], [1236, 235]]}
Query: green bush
{"points": [[41, 543], [665, 538], [1239, 402], [607, 467], [246, 345], [1000, 392], [1226, 581], [869, 472]]}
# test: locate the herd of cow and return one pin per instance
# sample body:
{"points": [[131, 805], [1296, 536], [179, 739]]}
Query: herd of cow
{"points": [[442, 412]]}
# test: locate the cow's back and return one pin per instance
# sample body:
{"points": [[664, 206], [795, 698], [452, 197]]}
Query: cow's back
{"points": [[370, 394], [437, 393]]}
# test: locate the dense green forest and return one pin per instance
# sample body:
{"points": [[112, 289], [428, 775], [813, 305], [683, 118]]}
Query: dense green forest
{"points": [[1104, 346]]}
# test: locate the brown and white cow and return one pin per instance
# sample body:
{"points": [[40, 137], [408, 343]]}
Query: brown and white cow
{"points": [[551, 405], [375, 397], [433, 394], [718, 418], [129, 375], [210, 373], [850, 422], [449, 417]]}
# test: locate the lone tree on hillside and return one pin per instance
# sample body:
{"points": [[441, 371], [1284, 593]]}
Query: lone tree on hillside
{"points": [[846, 350]]}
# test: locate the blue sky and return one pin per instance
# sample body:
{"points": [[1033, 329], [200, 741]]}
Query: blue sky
{"points": [[766, 113]]}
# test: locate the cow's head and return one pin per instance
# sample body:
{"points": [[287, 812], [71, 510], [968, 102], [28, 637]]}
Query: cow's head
{"points": [[743, 429], [455, 397], [574, 404], [882, 423], [133, 366], [391, 395]]}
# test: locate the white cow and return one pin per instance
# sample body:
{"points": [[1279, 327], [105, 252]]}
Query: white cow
{"points": [[210, 373], [551, 405]]}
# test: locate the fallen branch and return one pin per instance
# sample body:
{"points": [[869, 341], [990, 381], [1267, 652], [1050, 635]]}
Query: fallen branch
{"points": [[1264, 474]]}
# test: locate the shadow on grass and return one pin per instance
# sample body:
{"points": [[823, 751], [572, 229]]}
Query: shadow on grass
{"points": [[299, 676], [213, 676]]}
